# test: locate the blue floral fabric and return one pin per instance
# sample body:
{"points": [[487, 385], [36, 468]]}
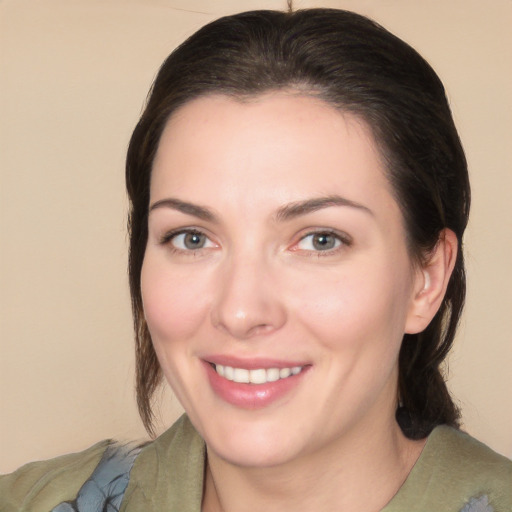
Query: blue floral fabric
{"points": [[104, 490], [480, 504]]}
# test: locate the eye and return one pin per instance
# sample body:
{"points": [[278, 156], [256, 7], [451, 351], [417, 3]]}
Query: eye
{"points": [[188, 240], [321, 241]]}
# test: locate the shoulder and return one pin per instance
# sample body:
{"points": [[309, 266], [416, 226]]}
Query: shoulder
{"points": [[457, 473], [40, 486], [168, 473], [467, 459]]}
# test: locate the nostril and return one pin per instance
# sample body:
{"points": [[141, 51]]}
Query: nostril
{"points": [[261, 329]]}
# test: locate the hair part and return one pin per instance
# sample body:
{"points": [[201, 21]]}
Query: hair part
{"points": [[356, 66]]}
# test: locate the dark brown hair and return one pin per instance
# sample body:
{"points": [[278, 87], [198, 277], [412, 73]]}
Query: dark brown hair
{"points": [[357, 66]]}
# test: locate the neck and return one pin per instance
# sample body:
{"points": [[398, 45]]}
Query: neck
{"points": [[336, 478]]}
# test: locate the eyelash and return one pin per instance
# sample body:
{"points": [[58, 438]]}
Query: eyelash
{"points": [[168, 238], [341, 240]]}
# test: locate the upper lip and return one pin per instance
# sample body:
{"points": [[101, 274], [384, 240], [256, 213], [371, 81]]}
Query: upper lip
{"points": [[252, 363]]}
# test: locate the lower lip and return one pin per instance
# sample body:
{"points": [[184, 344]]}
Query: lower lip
{"points": [[251, 396]]}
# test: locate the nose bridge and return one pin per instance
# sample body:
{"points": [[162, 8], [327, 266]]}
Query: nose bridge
{"points": [[247, 302]]}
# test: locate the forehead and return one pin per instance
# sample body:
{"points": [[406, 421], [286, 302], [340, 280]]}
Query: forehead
{"points": [[291, 144]]}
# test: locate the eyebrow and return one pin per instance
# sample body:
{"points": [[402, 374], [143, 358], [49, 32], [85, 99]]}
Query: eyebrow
{"points": [[201, 212], [286, 212], [299, 208]]}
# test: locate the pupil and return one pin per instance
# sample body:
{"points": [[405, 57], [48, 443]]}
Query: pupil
{"points": [[194, 241], [323, 242]]}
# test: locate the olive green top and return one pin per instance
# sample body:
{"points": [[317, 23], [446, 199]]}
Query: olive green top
{"points": [[454, 473]]}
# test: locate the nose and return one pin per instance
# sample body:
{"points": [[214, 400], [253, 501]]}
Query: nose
{"points": [[248, 302]]}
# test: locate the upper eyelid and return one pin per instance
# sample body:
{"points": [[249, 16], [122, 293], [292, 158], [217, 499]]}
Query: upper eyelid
{"points": [[344, 237], [171, 233]]}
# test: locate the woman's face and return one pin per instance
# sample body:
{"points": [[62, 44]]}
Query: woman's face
{"points": [[276, 255]]}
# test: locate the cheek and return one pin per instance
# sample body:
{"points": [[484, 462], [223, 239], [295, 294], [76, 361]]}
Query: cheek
{"points": [[173, 302], [356, 310]]}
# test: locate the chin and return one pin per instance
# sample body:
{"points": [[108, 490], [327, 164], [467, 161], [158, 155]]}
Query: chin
{"points": [[253, 443], [253, 455]]}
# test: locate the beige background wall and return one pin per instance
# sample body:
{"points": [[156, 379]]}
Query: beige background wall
{"points": [[73, 78]]}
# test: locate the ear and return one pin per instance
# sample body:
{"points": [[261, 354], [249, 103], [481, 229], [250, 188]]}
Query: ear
{"points": [[431, 281]]}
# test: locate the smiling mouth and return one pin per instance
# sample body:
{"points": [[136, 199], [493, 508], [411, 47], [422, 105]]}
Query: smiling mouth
{"points": [[256, 376]]}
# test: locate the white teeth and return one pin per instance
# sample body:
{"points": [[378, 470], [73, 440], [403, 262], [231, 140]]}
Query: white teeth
{"points": [[241, 375], [284, 372], [229, 372], [258, 376], [272, 374]]}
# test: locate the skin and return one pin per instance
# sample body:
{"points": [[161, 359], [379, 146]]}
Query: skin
{"points": [[257, 286]]}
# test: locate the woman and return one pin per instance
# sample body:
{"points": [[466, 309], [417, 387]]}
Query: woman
{"points": [[298, 198]]}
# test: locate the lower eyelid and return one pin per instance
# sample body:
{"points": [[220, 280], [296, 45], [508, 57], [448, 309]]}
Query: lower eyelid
{"points": [[341, 240]]}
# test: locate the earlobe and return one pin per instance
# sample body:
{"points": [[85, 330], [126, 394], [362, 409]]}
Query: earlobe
{"points": [[431, 282]]}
